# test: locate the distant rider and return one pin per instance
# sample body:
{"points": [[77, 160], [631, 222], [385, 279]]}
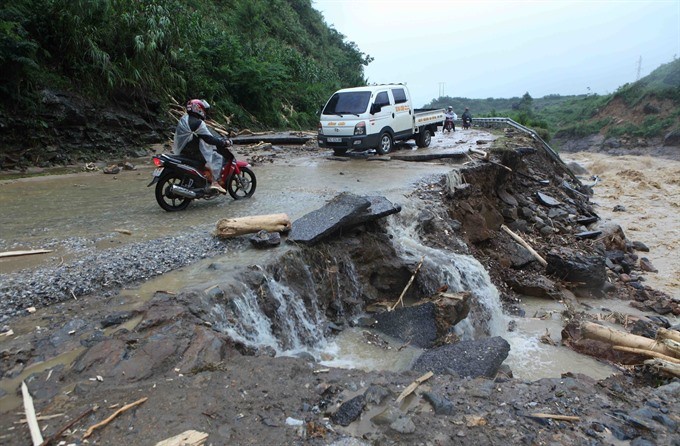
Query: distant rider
{"points": [[452, 116], [467, 118], [194, 140]]}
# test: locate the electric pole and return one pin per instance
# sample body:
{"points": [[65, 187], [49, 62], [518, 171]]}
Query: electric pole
{"points": [[639, 68], [441, 88]]}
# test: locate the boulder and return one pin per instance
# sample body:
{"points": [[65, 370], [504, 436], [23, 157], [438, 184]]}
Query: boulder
{"points": [[422, 325], [466, 359], [573, 266]]}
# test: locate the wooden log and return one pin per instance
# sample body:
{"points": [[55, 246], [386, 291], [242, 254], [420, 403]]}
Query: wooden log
{"points": [[521, 241], [597, 332], [663, 333], [231, 227], [187, 438], [640, 351], [664, 366], [24, 253], [413, 386], [33, 426]]}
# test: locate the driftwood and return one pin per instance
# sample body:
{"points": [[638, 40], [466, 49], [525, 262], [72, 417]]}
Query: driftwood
{"points": [[521, 241], [33, 426], [24, 253], [663, 333], [644, 352], [187, 438], [597, 332], [112, 416], [555, 416], [231, 227], [413, 276], [414, 385], [56, 435], [660, 365]]}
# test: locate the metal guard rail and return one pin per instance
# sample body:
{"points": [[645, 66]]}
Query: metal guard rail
{"points": [[491, 122]]}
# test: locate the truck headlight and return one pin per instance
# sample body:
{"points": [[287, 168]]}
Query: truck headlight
{"points": [[319, 128], [360, 128]]}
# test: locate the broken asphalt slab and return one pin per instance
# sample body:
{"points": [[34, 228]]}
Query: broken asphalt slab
{"points": [[343, 211]]}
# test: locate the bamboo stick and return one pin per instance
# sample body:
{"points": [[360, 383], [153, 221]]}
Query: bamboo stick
{"points": [[413, 276], [521, 241], [414, 385]]}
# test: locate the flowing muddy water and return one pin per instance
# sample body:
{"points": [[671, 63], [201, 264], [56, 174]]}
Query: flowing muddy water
{"points": [[648, 188]]}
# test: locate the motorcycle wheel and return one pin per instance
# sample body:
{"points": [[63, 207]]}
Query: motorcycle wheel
{"points": [[166, 199], [242, 185]]}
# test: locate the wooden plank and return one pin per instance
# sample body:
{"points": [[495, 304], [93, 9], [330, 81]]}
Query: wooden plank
{"points": [[33, 426], [414, 385], [187, 438], [24, 253]]}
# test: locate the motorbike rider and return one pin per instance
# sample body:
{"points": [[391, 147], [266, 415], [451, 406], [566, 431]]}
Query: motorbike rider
{"points": [[194, 139], [451, 115], [467, 117]]}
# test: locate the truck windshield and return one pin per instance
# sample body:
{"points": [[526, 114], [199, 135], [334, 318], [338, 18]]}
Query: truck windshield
{"points": [[354, 102]]}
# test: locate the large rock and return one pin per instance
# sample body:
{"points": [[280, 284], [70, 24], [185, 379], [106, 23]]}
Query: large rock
{"points": [[577, 267], [422, 325], [467, 359], [343, 211]]}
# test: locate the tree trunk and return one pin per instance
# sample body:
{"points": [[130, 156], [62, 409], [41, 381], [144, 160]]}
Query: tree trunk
{"points": [[231, 227], [614, 337]]}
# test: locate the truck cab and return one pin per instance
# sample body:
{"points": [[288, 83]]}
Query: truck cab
{"points": [[371, 117]]}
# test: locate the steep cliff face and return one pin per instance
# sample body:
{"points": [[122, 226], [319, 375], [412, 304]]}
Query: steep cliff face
{"points": [[69, 129]]}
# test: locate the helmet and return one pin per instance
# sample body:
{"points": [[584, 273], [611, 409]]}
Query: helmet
{"points": [[199, 107], [450, 108]]}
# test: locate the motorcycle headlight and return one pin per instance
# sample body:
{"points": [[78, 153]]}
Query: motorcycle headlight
{"points": [[360, 128]]}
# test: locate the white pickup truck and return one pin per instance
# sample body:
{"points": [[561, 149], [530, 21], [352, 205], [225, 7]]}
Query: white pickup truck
{"points": [[373, 117]]}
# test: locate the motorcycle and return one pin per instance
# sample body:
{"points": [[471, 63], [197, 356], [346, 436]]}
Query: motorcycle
{"points": [[179, 180], [449, 125], [466, 123]]}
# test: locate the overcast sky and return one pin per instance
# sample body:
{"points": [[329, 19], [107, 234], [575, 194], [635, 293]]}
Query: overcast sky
{"points": [[480, 49]]}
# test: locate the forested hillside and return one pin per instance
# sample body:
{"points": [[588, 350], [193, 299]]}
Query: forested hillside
{"points": [[262, 62], [647, 108]]}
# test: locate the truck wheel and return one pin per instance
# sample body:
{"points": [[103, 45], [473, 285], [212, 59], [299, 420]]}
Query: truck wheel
{"points": [[385, 145], [339, 152], [424, 138]]}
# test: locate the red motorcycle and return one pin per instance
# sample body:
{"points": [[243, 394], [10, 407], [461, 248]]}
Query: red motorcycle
{"points": [[179, 180]]}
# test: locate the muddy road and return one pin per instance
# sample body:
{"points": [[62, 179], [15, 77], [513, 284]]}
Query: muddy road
{"points": [[85, 209]]}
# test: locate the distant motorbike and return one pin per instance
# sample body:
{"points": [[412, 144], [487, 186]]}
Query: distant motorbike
{"points": [[466, 123], [179, 180], [449, 125]]}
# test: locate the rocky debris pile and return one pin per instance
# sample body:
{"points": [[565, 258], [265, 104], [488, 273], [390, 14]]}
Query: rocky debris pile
{"points": [[552, 214]]}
